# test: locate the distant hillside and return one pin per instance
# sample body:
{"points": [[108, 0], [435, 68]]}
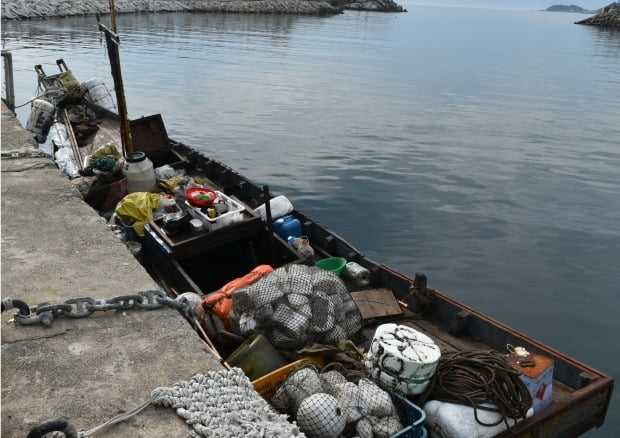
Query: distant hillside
{"points": [[571, 8]]}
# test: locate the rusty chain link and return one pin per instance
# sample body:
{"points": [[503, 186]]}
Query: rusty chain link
{"points": [[83, 307]]}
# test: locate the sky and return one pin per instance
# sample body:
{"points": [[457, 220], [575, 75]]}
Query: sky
{"points": [[515, 4]]}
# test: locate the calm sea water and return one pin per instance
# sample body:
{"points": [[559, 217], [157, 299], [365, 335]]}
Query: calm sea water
{"points": [[479, 146]]}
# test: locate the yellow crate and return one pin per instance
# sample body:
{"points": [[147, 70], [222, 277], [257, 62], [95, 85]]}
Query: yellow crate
{"points": [[266, 385]]}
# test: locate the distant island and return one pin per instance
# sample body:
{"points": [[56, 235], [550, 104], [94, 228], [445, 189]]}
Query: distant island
{"points": [[571, 8]]}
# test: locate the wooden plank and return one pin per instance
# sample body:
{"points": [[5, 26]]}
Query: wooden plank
{"points": [[376, 303]]}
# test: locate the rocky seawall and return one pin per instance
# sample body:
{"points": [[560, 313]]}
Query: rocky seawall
{"points": [[608, 17], [20, 9]]}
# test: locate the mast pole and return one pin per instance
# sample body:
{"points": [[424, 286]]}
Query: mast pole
{"points": [[112, 42]]}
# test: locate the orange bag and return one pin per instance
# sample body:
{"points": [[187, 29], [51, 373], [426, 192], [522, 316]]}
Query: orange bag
{"points": [[220, 302]]}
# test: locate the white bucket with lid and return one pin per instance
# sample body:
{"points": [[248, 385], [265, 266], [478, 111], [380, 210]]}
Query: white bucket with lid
{"points": [[138, 170], [402, 358]]}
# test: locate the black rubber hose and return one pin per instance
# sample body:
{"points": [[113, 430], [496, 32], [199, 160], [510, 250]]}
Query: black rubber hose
{"points": [[9, 303], [48, 426]]}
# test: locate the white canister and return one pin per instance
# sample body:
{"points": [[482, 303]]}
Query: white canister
{"points": [[196, 225], [138, 170]]}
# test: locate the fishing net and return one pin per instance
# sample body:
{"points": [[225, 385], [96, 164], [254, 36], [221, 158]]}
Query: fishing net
{"points": [[328, 405], [222, 404], [294, 306]]}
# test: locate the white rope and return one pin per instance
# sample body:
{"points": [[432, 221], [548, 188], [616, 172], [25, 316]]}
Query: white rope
{"points": [[121, 417], [224, 404], [219, 404]]}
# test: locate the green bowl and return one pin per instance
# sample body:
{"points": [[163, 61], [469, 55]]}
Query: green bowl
{"points": [[332, 264]]}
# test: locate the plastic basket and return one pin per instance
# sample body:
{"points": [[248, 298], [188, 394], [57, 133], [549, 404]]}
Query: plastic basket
{"points": [[411, 416], [266, 385]]}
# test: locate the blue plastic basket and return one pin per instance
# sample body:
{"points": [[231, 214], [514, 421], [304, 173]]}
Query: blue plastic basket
{"points": [[411, 416]]}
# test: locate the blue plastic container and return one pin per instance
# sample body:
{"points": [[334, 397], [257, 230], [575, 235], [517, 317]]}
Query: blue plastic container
{"points": [[411, 416], [287, 226]]}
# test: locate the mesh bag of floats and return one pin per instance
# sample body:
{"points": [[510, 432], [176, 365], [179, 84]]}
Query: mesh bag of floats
{"points": [[327, 405], [295, 306]]}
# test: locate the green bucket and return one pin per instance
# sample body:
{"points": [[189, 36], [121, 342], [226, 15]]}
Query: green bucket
{"points": [[333, 264]]}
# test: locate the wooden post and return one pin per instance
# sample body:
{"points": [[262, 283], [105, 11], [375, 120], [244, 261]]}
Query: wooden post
{"points": [[112, 42]]}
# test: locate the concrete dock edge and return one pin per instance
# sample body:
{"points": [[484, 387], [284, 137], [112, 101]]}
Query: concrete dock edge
{"points": [[55, 247]]}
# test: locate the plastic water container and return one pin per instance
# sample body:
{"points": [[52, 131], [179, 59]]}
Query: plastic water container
{"points": [[41, 118], [96, 91], [138, 170], [287, 226]]}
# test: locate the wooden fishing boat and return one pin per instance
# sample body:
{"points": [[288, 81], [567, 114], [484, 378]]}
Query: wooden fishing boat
{"points": [[202, 263]]}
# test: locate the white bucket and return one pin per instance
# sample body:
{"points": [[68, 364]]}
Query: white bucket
{"points": [[96, 91], [138, 170], [402, 358], [40, 120]]}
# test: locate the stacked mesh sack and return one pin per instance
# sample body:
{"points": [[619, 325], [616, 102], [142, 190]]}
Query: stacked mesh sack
{"points": [[327, 405], [295, 306]]}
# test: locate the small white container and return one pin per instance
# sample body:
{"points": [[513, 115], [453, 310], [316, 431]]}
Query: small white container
{"points": [[196, 225], [233, 215], [138, 170]]}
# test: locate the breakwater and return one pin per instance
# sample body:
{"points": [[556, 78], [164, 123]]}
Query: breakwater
{"points": [[21, 9], [608, 17]]}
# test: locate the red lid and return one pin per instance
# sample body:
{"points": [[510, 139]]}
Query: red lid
{"points": [[200, 196]]}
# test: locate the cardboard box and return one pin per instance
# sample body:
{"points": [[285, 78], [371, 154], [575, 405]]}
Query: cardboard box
{"points": [[537, 374]]}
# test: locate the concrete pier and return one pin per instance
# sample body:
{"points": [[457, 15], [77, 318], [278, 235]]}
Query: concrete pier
{"points": [[54, 248]]}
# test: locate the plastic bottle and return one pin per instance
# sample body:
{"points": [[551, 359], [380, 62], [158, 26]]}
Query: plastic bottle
{"points": [[302, 244]]}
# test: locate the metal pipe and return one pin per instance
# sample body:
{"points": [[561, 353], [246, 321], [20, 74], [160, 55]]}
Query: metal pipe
{"points": [[9, 85], [271, 239]]}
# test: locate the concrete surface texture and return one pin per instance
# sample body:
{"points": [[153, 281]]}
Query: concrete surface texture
{"points": [[55, 247]]}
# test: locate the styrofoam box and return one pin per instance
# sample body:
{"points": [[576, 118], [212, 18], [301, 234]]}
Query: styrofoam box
{"points": [[233, 215]]}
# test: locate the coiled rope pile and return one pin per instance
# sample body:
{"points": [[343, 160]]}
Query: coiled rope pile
{"points": [[482, 380]]}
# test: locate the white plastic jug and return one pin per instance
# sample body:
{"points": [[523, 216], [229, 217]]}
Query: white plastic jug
{"points": [[138, 170]]}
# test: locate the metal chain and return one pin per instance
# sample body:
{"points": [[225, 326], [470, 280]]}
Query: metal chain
{"points": [[83, 307], [35, 153]]}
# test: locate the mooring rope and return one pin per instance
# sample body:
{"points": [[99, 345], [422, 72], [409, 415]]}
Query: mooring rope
{"points": [[482, 380]]}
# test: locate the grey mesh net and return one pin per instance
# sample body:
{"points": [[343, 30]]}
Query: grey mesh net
{"points": [[327, 405], [294, 306]]}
